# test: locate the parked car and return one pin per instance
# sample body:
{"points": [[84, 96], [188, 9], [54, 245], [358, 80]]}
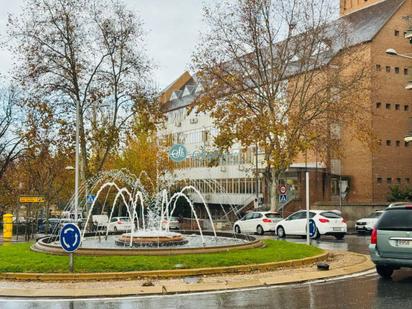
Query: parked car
{"points": [[257, 222], [52, 225], [120, 224], [398, 204], [173, 223], [100, 222], [391, 240], [367, 224], [326, 222]]}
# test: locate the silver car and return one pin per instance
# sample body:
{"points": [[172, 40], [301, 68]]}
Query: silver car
{"points": [[391, 240]]}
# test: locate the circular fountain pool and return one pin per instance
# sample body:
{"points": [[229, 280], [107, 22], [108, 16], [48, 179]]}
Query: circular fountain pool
{"points": [[98, 245]]}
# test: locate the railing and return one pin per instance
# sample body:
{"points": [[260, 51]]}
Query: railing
{"points": [[23, 231]]}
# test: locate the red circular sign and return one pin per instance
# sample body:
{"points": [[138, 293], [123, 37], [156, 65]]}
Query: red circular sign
{"points": [[283, 189]]}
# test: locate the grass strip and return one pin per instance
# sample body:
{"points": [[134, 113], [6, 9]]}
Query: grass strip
{"points": [[18, 257]]}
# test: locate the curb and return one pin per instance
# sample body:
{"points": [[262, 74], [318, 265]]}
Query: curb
{"points": [[158, 274], [261, 279]]}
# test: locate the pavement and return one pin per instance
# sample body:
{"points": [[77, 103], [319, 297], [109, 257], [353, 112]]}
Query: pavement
{"points": [[341, 264]]}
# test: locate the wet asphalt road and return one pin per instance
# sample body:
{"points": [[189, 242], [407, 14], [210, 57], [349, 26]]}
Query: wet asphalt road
{"points": [[368, 291]]}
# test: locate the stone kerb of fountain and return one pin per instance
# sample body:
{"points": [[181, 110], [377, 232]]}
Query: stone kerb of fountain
{"points": [[148, 235]]}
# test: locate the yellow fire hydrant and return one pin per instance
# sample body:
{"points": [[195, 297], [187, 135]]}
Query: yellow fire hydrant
{"points": [[7, 227]]}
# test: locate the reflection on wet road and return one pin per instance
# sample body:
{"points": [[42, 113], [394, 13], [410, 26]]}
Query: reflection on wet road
{"points": [[368, 291]]}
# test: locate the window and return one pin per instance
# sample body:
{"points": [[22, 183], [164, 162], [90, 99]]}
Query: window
{"points": [[397, 107], [398, 143], [248, 216], [388, 69], [378, 67], [406, 144], [388, 142], [388, 180], [388, 106], [378, 105], [408, 180], [405, 71], [396, 32], [379, 180], [396, 220], [330, 215], [398, 181], [406, 108], [397, 70]]}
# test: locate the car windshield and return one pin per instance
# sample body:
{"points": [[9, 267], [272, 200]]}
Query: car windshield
{"points": [[330, 215], [273, 215], [374, 215], [396, 219]]}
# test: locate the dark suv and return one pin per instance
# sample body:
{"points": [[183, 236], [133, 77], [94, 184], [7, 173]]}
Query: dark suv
{"points": [[391, 240]]}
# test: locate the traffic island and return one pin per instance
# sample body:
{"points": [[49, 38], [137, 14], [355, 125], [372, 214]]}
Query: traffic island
{"points": [[18, 259], [341, 264]]}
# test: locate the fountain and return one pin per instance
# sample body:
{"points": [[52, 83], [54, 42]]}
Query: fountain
{"points": [[149, 216]]}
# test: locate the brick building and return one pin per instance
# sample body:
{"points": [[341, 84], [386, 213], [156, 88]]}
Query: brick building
{"points": [[368, 172]]}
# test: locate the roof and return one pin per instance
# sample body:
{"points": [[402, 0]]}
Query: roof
{"points": [[362, 25], [366, 23]]}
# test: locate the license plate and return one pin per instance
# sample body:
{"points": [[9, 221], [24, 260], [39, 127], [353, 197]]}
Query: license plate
{"points": [[337, 229], [404, 243]]}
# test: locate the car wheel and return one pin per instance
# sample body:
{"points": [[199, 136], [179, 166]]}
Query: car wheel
{"points": [[237, 229], [384, 271], [259, 230], [280, 231], [340, 237], [317, 234]]}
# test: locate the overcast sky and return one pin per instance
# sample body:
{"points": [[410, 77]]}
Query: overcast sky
{"points": [[173, 27]]}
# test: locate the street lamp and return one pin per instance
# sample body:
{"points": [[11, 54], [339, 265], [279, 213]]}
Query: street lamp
{"points": [[393, 52]]}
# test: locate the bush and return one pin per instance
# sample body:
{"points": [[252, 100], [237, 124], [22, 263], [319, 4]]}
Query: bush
{"points": [[398, 194]]}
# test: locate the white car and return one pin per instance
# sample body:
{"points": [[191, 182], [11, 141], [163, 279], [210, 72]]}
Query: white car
{"points": [[122, 224], [173, 223], [368, 223], [326, 223], [398, 204], [257, 222]]}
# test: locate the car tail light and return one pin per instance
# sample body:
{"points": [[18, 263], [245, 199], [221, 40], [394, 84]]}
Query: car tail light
{"points": [[120, 222], [267, 221], [374, 236], [323, 220], [409, 206]]}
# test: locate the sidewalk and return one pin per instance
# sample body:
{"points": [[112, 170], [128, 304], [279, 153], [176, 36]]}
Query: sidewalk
{"points": [[341, 264]]}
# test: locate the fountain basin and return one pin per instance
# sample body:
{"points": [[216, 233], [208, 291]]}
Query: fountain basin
{"points": [[93, 246], [151, 239]]}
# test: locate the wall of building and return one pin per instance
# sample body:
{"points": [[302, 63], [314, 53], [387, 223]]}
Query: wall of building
{"points": [[349, 6], [391, 106]]}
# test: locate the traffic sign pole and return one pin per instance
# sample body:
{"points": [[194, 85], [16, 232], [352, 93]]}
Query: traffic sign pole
{"points": [[71, 262], [307, 209]]}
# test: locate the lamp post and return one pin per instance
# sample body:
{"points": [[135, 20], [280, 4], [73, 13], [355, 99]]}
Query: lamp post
{"points": [[76, 167]]}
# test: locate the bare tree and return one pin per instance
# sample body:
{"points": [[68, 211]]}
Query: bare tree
{"points": [[276, 73], [87, 53], [10, 137]]}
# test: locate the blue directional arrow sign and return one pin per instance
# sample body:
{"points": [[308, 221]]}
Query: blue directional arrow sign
{"points": [[70, 237], [312, 228]]}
